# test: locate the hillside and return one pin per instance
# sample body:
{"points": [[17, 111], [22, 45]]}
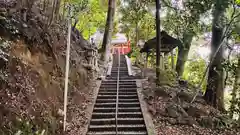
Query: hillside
{"points": [[187, 67], [173, 113], [32, 74]]}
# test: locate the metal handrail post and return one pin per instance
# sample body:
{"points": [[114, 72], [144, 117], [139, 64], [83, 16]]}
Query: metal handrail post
{"points": [[67, 69], [116, 114]]}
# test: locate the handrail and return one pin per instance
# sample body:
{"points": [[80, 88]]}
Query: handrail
{"points": [[116, 113], [67, 70]]}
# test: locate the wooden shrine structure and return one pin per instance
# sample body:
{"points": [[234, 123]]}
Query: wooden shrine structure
{"points": [[122, 47]]}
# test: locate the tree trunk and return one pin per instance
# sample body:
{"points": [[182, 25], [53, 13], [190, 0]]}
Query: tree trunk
{"points": [[215, 84], [52, 15], [108, 30], [45, 6], [58, 3], [183, 53], [158, 45], [235, 89], [64, 9]]}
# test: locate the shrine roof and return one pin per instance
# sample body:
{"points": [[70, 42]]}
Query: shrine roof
{"points": [[118, 41]]}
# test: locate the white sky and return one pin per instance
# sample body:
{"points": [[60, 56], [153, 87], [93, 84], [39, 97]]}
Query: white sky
{"points": [[98, 37]]}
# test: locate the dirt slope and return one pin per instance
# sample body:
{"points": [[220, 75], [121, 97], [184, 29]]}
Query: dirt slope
{"points": [[32, 64]]}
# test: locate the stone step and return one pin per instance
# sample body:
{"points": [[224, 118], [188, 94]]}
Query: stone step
{"points": [[115, 83], [131, 127], [121, 121], [104, 110], [120, 104], [96, 115], [129, 115], [98, 128], [132, 96], [129, 104], [114, 100], [106, 97], [114, 94], [115, 86], [101, 133], [107, 105], [120, 89], [105, 100], [113, 109], [129, 109], [119, 133], [127, 97], [122, 81], [127, 100], [112, 127], [121, 78]]}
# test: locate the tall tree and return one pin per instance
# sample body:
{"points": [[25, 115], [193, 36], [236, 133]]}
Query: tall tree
{"points": [[182, 20], [108, 30], [215, 85], [183, 51], [133, 11], [91, 17], [137, 22], [57, 8], [158, 45]]}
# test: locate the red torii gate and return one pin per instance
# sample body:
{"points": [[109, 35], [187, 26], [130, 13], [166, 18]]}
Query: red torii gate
{"points": [[122, 48]]}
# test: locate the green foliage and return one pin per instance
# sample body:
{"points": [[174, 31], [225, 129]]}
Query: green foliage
{"points": [[136, 21], [26, 128], [194, 71], [168, 61], [232, 69], [135, 51], [186, 19], [237, 2], [79, 6], [91, 19], [168, 77], [152, 59], [147, 27]]}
